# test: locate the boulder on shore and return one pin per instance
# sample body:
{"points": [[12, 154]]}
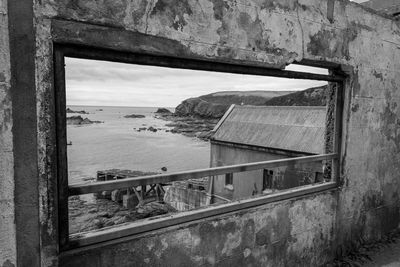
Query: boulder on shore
{"points": [[134, 116]]}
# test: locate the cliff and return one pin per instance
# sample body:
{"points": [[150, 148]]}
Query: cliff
{"points": [[214, 105]]}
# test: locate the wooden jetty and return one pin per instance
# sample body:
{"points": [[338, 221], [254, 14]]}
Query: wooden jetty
{"points": [[133, 196]]}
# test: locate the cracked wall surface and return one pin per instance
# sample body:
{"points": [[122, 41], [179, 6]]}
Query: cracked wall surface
{"points": [[252, 32], [7, 225], [289, 233]]}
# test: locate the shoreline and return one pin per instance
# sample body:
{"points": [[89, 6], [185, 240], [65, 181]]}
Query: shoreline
{"points": [[190, 126], [87, 216], [88, 212]]}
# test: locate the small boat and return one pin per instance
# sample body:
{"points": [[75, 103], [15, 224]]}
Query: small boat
{"points": [[70, 143]]}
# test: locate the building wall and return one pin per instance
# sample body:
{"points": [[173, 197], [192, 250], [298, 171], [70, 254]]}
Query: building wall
{"points": [[183, 198], [7, 216], [245, 183], [304, 231]]}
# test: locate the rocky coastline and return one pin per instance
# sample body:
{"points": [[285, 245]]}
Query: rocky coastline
{"points": [[86, 216], [191, 126], [96, 213]]}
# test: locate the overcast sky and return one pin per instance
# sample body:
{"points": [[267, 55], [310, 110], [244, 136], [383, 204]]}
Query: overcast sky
{"points": [[99, 83]]}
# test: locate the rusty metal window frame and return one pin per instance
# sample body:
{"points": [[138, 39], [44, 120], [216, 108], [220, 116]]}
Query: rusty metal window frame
{"points": [[132, 229]]}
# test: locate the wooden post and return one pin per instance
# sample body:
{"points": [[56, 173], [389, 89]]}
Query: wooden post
{"points": [[139, 197], [143, 191], [210, 190]]}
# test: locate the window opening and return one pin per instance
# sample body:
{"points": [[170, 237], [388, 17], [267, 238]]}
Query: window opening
{"points": [[268, 179], [229, 179], [132, 153]]}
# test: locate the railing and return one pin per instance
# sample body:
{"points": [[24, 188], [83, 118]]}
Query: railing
{"points": [[133, 228], [86, 188]]}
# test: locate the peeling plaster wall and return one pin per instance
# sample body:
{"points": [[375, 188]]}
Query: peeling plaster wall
{"points": [[7, 225], [290, 233], [254, 32]]}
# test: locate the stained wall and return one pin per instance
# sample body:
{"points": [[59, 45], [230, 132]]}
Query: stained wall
{"points": [[304, 231], [7, 218]]}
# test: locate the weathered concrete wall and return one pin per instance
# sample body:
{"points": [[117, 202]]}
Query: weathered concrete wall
{"points": [[292, 233], [7, 217], [253, 32], [183, 199]]}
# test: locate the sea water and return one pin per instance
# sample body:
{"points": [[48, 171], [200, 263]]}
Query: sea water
{"points": [[117, 144]]}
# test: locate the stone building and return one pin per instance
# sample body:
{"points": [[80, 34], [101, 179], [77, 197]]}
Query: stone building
{"points": [[260, 133], [304, 227]]}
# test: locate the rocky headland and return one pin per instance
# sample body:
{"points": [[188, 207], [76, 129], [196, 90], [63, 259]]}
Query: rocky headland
{"points": [[214, 106], [196, 117], [78, 120], [163, 111]]}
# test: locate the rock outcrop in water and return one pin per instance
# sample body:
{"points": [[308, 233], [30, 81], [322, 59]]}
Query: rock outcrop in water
{"points": [[134, 116], [74, 111], [78, 120]]}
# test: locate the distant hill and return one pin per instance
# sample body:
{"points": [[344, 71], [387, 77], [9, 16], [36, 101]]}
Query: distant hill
{"points": [[315, 96], [215, 105], [255, 98]]}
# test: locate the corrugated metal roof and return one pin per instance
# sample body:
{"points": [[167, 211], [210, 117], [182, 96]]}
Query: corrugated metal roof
{"points": [[300, 129]]}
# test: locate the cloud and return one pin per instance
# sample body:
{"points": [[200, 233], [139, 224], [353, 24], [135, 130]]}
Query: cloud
{"points": [[100, 83]]}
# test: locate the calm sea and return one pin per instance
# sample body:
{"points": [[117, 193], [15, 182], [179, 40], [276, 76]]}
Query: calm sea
{"points": [[115, 144]]}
